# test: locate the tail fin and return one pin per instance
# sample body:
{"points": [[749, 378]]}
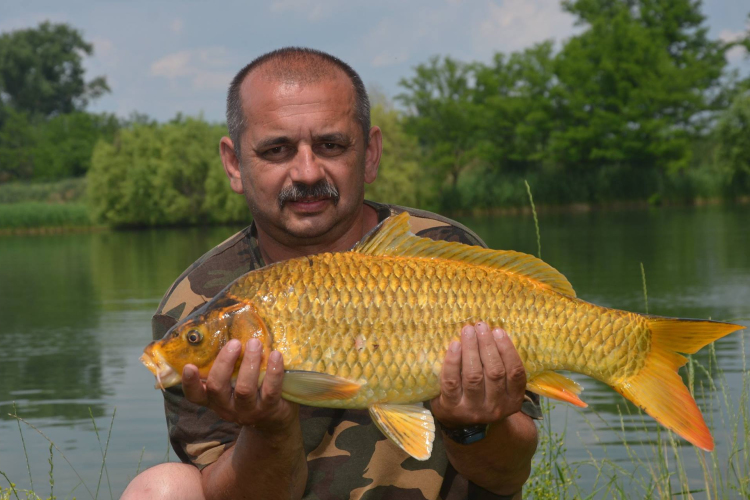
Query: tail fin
{"points": [[659, 390]]}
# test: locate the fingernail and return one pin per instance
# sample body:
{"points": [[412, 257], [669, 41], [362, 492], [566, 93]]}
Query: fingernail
{"points": [[469, 332], [233, 345], [482, 328], [455, 346], [253, 345], [187, 374], [275, 356], [498, 333]]}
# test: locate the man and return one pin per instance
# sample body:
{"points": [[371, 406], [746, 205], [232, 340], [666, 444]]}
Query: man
{"points": [[300, 150]]}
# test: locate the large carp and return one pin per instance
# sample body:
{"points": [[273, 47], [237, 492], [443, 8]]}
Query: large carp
{"points": [[369, 328]]}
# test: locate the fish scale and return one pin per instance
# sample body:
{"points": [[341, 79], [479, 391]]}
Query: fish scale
{"points": [[370, 328], [313, 322]]}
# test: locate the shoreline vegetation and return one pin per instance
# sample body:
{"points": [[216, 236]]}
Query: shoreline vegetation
{"points": [[639, 107]]}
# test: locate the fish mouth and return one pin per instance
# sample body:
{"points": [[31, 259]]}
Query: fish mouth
{"points": [[165, 375]]}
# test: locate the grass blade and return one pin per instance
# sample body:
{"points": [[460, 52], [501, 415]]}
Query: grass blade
{"points": [[536, 220], [51, 475], [23, 443], [645, 290], [58, 450], [103, 469], [12, 486], [138, 469]]}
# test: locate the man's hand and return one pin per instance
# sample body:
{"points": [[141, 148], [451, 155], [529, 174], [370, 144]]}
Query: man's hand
{"points": [[263, 408], [482, 381]]}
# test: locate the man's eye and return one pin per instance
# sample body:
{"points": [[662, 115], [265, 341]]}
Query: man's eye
{"points": [[329, 148], [275, 152]]}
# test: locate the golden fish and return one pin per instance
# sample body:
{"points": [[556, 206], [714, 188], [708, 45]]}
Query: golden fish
{"points": [[369, 328]]}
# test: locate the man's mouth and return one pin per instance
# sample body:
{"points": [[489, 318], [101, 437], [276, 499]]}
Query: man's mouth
{"points": [[309, 204]]}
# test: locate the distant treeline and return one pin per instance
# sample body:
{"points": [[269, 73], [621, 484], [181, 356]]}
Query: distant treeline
{"points": [[639, 106]]}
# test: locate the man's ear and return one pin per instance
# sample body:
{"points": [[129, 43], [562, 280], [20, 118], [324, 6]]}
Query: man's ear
{"points": [[372, 154], [231, 164]]}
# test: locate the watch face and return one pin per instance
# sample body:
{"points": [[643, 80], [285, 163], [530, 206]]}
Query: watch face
{"points": [[467, 435]]}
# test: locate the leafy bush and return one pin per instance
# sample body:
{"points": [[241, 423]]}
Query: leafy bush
{"points": [[162, 174]]}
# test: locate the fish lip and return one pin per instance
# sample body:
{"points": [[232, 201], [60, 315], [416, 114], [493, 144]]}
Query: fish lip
{"points": [[166, 376]]}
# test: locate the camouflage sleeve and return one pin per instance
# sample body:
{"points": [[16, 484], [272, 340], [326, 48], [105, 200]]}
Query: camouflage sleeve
{"points": [[197, 434]]}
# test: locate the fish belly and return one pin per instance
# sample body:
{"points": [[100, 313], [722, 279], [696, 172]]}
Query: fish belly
{"points": [[387, 322]]}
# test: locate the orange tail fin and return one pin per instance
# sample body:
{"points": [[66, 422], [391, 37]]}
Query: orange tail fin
{"points": [[659, 390]]}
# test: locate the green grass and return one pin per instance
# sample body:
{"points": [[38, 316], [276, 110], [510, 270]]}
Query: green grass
{"points": [[64, 191], [33, 215]]}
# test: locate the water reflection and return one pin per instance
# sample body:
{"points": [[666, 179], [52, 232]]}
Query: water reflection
{"points": [[75, 314], [50, 352]]}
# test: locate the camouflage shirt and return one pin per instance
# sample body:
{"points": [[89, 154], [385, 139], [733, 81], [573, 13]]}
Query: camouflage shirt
{"points": [[347, 456]]}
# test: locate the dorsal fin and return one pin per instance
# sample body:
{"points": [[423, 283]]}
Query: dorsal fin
{"points": [[393, 238]]}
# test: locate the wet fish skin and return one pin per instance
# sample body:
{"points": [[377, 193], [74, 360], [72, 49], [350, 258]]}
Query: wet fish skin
{"points": [[378, 321]]}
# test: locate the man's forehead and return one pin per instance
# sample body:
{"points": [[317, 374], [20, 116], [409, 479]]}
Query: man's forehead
{"points": [[268, 83], [267, 101]]}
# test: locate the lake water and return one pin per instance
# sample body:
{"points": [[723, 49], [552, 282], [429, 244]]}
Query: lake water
{"points": [[75, 315]]}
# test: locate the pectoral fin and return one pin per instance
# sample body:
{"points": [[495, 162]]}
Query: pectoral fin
{"points": [[315, 386], [411, 427], [556, 386]]}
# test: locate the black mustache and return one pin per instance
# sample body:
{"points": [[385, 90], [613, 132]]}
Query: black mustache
{"points": [[299, 191]]}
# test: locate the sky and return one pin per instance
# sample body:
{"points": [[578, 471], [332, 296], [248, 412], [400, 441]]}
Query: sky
{"points": [[161, 57]]}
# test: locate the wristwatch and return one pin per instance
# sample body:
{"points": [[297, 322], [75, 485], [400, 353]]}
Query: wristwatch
{"points": [[467, 435]]}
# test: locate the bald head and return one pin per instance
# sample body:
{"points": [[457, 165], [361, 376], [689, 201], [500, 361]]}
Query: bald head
{"points": [[299, 66]]}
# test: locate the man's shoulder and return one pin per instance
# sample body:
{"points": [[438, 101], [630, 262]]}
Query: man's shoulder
{"points": [[206, 277], [434, 226]]}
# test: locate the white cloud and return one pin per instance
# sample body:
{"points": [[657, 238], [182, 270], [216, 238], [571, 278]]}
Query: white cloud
{"points": [[177, 26], [517, 24], [735, 54], [174, 65], [103, 47], [206, 68]]}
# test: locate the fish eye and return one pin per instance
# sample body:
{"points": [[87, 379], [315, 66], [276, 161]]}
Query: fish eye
{"points": [[194, 336]]}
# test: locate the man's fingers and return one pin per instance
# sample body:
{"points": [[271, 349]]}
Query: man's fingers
{"points": [[246, 387], [514, 370], [450, 376], [270, 390], [472, 373], [219, 382], [192, 386], [492, 364]]}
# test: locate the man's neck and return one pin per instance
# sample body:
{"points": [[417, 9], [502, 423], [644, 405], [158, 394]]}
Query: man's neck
{"points": [[275, 251]]}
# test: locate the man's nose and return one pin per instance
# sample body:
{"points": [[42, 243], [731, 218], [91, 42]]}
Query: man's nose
{"points": [[306, 168]]}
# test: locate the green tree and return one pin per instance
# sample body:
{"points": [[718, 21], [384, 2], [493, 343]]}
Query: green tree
{"points": [[635, 88], [17, 139], [64, 143], [41, 70], [400, 174], [516, 95], [442, 114], [733, 132]]}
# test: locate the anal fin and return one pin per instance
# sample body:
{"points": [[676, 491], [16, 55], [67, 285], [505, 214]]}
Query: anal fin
{"points": [[411, 427], [316, 386], [556, 386]]}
